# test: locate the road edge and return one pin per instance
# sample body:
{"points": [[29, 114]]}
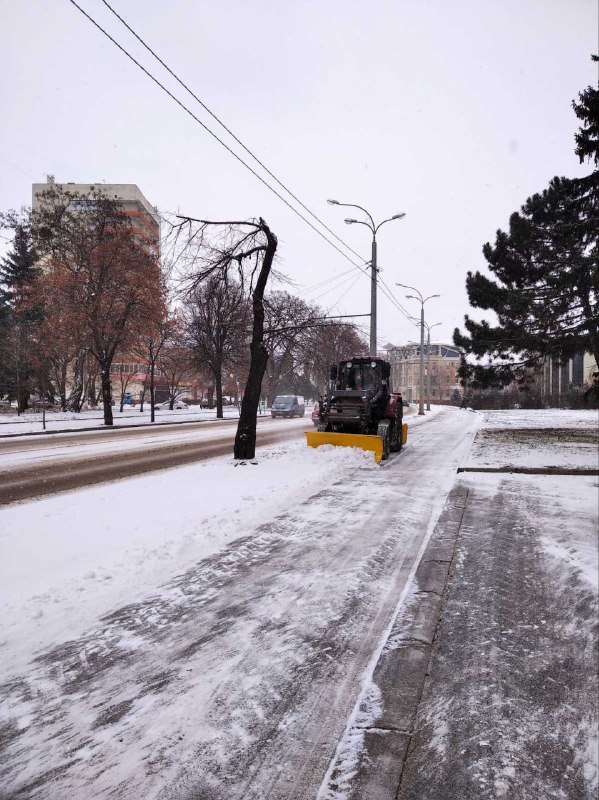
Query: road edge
{"points": [[401, 670]]}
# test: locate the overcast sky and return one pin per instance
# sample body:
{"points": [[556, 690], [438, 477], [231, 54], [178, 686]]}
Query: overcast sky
{"points": [[453, 112]]}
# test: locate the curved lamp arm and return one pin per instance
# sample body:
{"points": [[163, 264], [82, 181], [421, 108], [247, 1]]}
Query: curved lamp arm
{"points": [[372, 226], [360, 222], [405, 286], [395, 216]]}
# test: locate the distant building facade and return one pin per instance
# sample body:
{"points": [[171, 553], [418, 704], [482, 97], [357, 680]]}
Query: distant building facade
{"points": [[555, 379], [405, 370], [129, 375], [144, 217]]}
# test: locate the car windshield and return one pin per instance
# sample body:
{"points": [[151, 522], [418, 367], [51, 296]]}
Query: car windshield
{"points": [[284, 399]]}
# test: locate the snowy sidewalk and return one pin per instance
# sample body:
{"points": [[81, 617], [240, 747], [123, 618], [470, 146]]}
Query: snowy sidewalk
{"points": [[488, 682]]}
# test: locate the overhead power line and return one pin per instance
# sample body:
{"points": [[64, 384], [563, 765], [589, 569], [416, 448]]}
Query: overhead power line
{"points": [[315, 286], [220, 141], [351, 286], [229, 131], [390, 296], [337, 285], [385, 289]]}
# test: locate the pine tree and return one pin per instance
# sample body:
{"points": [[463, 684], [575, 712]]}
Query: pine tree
{"points": [[17, 273], [587, 110], [17, 269], [545, 285]]}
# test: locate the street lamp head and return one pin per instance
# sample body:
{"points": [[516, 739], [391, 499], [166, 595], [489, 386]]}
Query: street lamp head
{"points": [[412, 297], [435, 295], [333, 202], [399, 216], [349, 221]]}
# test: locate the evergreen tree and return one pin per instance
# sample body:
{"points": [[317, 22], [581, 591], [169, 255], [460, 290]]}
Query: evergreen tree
{"points": [[17, 269], [6, 383], [587, 110], [545, 289], [17, 274]]}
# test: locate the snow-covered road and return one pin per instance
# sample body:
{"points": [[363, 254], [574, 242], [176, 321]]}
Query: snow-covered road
{"points": [[36, 466], [26, 451], [204, 632]]}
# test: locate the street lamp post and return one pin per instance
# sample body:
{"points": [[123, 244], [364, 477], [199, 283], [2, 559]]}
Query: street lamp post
{"points": [[422, 300], [428, 363], [373, 275]]}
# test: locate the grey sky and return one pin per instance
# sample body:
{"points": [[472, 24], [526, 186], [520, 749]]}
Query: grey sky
{"points": [[453, 112]]}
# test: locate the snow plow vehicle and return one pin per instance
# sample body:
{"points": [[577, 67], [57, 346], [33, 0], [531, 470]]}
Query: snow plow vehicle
{"points": [[360, 410]]}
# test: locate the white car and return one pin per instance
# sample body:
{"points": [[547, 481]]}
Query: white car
{"points": [[166, 405]]}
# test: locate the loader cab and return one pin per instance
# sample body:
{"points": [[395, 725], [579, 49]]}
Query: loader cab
{"points": [[362, 375]]}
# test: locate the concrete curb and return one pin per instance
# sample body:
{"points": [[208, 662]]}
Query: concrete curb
{"points": [[402, 668], [581, 471]]}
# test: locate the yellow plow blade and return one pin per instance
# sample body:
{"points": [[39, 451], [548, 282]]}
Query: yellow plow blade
{"points": [[361, 440]]}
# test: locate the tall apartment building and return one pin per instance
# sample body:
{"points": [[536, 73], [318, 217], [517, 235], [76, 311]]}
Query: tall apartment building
{"points": [[144, 217], [405, 370], [129, 378]]}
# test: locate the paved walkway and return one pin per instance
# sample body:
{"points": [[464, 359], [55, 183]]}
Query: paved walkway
{"points": [[489, 679]]}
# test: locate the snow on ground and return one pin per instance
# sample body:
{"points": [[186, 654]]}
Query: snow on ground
{"points": [[512, 704], [562, 511], [202, 661], [66, 446], [70, 558], [541, 418], [537, 438]]}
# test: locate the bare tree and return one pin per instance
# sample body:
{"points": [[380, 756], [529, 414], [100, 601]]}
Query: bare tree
{"points": [[175, 362], [249, 249], [217, 328], [289, 322], [119, 368], [329, 344], [150, 343]]}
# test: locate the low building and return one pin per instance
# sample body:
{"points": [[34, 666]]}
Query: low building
{"points": [[555, 379]]}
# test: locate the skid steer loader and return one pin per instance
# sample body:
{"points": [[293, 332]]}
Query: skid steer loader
{"points": [[360, 410]]}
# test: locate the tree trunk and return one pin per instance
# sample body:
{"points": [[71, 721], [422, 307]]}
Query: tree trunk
{"points": [[106, 394], [152, 411], [75, 400], [23, 402], [63, 388], [245, 439], [218, 385]]}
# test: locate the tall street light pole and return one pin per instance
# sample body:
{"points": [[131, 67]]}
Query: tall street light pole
{"points": [[428, 363], [422, 300], [373, 275]]}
